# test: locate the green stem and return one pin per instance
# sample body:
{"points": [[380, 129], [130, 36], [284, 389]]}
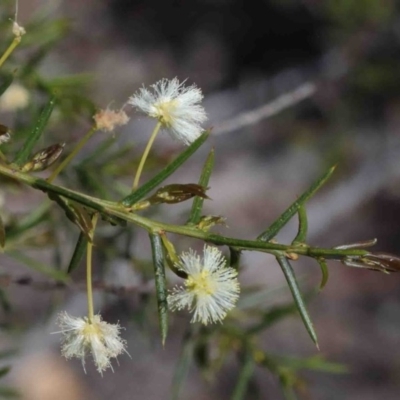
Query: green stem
{"points": [[89, 285], [10, 49], [144, 156], [74, 152], [117, 210]]}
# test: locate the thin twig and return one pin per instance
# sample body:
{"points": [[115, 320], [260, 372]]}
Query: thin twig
{"points": [[267, 110]]}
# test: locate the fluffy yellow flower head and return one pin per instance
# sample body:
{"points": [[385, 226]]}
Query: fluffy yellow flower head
{"points": [[211, 288], [175, 106], [99, 338]]}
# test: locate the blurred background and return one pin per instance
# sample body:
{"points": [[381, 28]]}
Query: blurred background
{"points": [[291, 87]]}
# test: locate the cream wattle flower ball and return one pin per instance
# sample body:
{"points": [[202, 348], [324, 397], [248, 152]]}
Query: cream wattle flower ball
{"points": [[176, 107], [101, 339], [211, 288]]}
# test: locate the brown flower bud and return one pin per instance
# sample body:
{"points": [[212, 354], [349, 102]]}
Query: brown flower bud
{"points": [[44, 158], [388, 262], [4, 134], [382, 262], [176, 193]]}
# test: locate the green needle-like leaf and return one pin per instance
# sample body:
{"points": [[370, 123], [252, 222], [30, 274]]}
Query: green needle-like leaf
{"points": [[303, 225], [287, 389], [297, 297], [165, 173], [79, 252], [161, 284], [29, 222], [6, 82], [267, 235], [183, 365], [60, 276], [243, 380], [23, 154], [325, 272], [197, 206]]}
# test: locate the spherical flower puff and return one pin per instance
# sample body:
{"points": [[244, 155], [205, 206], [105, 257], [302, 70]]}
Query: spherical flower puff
{"points": [[211, 288], [176, 107], [82, 337], [107, 120], [18, 30]]}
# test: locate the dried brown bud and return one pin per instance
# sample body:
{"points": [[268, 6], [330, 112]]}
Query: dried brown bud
{"points": [[176, 193], [44, 158], [4, 134], [386, 261], [382, 262], [76, 213]]}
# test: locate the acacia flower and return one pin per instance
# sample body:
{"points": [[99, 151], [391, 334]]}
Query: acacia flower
{"points": [[82, 337], [211, 288], [107, 120], [176, 107], [18, 30]]}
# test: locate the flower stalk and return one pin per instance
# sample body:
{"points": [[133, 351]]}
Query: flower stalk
{"points": [[89, 285], [10, 49], [145, 155], [176, 107]]}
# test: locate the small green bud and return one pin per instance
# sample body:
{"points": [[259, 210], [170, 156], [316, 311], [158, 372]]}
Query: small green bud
{"points": [[141, 205]]}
